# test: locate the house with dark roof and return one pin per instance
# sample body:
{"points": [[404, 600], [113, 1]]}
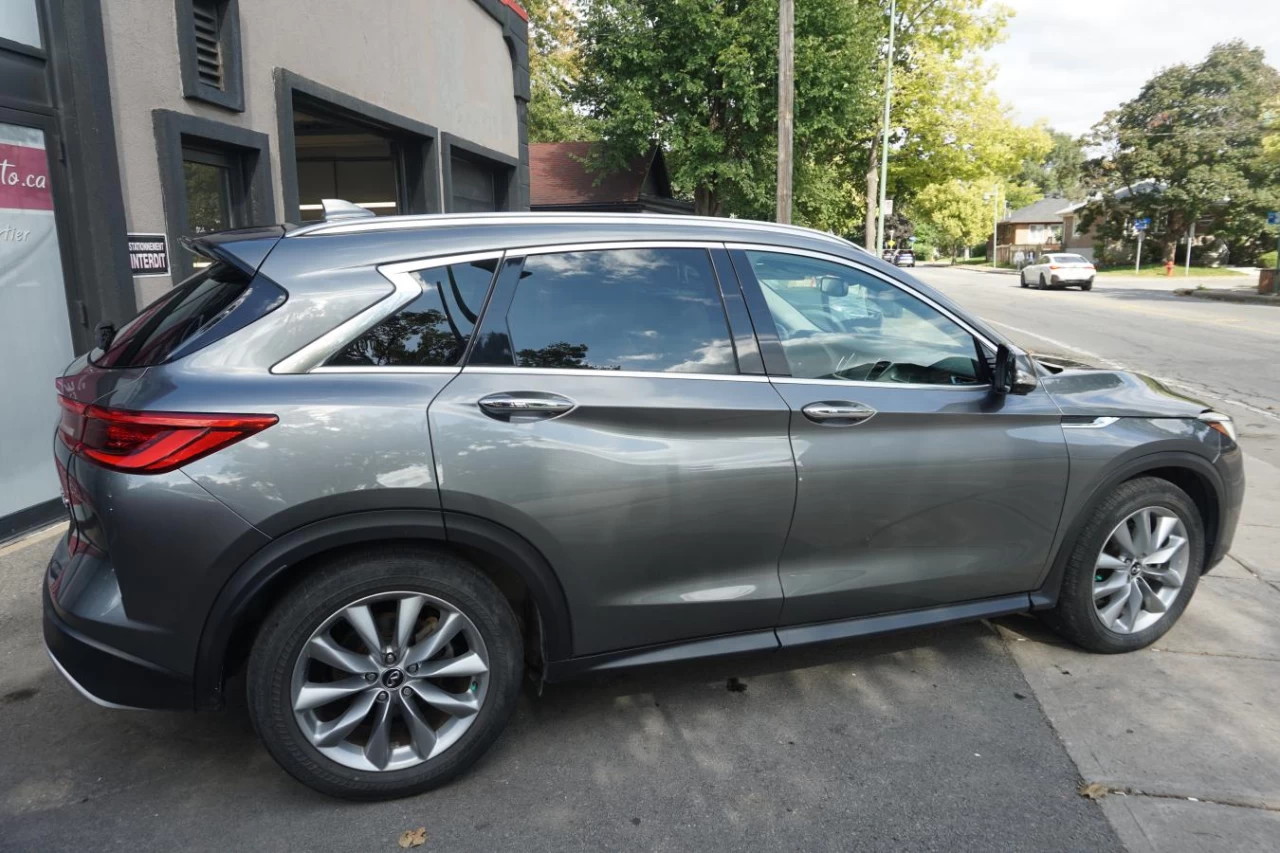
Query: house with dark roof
{"points": [[560, 179], [1048, 225]]}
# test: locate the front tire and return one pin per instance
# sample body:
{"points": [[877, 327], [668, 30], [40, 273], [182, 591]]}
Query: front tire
{"points": [[1022, 279], [385, 674], [1133, 570], [1044, 285]]}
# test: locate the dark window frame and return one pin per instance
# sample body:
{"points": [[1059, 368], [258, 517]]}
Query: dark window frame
{"points": [[176, 132], [231, 95], [416, 141], [503, 166]]}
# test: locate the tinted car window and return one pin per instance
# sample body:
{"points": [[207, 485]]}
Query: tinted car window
{"points": [[621, 309], [431, 331], [175, 318], [835, 322]]}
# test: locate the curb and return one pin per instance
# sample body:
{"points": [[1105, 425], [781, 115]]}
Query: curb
{"points": [[1230, 296]]}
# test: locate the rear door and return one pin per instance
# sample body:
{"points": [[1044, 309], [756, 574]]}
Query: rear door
{"points": [[603, 416], [916, 487]]}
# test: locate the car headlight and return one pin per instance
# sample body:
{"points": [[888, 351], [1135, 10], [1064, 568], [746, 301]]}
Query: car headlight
{"points": [[1222, 423]]}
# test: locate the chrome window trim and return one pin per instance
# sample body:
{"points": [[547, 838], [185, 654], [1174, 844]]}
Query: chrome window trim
{"points": [[513, 370], [405, 289], [390, 368], [858, 383], [615, 245], [822, 256], [1100, 422], [437, 220]]}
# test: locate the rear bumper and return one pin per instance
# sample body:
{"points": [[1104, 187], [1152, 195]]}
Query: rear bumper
{"points": [[108, 676]]}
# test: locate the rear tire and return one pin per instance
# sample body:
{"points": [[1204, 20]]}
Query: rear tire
{"points": [[1081, 612], [1088, 285], [449, 592], [1044, 285]]}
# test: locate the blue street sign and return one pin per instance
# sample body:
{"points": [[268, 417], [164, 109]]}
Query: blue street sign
{"points": [[1273, 218], [1142, 224]]}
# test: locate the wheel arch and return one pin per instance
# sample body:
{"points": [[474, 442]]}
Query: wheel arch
{"points": [[254, 588], [1194, 474]]}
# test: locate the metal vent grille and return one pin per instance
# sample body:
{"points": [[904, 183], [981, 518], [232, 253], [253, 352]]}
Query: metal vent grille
{"points": [[208, 22]]}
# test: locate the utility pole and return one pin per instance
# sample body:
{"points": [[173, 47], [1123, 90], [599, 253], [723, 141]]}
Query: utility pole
{"points": [[884, 142], [1191, 236], [786, 100]]}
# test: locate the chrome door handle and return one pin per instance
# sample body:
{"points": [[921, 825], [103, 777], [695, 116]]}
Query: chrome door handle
{"points": [[525, 404], [838, 412]]}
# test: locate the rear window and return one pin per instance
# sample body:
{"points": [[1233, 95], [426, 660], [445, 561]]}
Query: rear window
{"points": [[175, 318], [1069, 259]]}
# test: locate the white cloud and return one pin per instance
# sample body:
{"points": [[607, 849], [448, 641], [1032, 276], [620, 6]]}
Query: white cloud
{"points": [[1069, 62]]}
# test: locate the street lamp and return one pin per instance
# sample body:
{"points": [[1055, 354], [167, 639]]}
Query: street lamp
{"points": [[995, 224]]}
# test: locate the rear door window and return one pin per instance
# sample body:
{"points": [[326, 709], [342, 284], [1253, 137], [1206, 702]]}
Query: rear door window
{"points": [[651, 310], [431, 331], [179, 316]]}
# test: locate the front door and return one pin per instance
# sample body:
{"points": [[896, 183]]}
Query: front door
{"points": [[916, 487], [602, 416]]}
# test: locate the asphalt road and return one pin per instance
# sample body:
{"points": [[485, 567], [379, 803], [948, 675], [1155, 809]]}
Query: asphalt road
{"points": [[1223, 353], [924, 741]]}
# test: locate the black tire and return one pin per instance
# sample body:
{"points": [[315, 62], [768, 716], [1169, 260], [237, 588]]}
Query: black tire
{"points": [[1022, 279], [339, 583], [1088, 285], [1075, 616], [1044, 285]]}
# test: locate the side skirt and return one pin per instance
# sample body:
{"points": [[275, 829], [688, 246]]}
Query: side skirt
{"points": [[791, 636]]}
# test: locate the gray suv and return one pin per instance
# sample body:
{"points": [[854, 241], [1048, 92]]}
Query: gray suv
{"points": [[385, 467]]}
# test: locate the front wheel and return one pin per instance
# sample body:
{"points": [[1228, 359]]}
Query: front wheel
{"points": [[1133, 570], [1022, 279], [386, 674], [1044, 285]]}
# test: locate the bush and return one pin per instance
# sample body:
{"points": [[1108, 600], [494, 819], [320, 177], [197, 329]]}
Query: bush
{"points": [[1267, 260]]}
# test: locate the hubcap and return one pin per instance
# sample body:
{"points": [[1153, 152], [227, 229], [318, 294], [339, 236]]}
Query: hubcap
{"points": [[390, 681], [1140, 570]]}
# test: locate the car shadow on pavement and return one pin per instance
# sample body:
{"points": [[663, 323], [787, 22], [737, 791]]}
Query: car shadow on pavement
{"points": [[899, 742]]}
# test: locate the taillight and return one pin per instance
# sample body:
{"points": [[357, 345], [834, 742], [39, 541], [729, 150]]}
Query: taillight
{"points": [[150, 442], [1053, 266]]}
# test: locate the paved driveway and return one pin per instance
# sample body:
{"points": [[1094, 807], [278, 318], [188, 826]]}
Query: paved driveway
{"points": [[925, 741]]}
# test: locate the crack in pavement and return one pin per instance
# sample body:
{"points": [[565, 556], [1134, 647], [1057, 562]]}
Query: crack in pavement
{"points": [[1131, 791]]}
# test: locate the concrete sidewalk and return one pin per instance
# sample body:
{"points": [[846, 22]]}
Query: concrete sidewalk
{"points": [[1185, 734]]}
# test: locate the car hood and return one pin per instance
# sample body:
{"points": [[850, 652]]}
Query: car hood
{"points": [[1082, 390]]}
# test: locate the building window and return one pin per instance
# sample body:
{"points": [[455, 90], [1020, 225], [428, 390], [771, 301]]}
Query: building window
{"points": [[209, 50], [213, 176], [214, 187], [476, 179], [333, 145]]}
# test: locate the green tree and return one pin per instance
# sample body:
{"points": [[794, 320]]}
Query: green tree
{"points": [[1060, 171], [700, 79], [1190, 148], [553, 70], [955, 214]]}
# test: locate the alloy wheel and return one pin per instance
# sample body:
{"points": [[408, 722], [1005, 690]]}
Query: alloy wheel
{"points": [[390, 681], [1140, 570]]}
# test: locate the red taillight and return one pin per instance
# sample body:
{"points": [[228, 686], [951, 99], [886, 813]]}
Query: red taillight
{"points": [[1053, 266], [150, 442]]}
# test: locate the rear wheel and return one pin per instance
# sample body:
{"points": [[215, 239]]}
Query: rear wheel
{"points": [[1088, 285], [1044, 285], [385, 675], [1133, 570]]}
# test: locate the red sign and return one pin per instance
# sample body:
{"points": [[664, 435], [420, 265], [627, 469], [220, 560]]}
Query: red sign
{"points": [[24, 178]]}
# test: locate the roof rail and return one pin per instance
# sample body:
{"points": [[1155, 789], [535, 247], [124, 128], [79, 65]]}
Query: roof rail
{"points": [[438, 220], [336, 209]]}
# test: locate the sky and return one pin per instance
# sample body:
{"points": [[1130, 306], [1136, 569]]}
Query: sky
{"points": [[1069, 61]]}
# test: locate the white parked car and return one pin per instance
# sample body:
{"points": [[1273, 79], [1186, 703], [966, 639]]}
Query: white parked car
{"points": [[1059, 269]]}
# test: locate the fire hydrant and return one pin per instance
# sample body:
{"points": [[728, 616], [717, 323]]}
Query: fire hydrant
{"points": [[1168, 268]]}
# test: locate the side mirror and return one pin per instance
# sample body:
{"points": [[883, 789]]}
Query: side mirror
{"points": [[832, 286], [1005, 372]]}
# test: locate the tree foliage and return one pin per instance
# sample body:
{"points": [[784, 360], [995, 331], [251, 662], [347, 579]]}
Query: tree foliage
{"points": [[1060, 172], [700, 79], [956, 213], [553, 70], [1191, 148]]}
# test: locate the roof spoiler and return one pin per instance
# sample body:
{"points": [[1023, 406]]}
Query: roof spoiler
{"points": [[242, 248]]}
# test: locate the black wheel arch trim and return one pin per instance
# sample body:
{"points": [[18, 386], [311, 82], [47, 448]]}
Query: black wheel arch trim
{"points": [[255, 576], [1046, 595]]}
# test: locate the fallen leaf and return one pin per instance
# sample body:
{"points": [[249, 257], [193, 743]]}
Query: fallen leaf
{"points": [[413, 837], [1093, 790]]}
